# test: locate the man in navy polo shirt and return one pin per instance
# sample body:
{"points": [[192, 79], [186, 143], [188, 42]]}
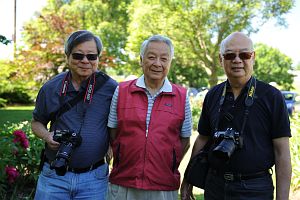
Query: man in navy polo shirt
{"points": [[80, 171], [249, 124]]}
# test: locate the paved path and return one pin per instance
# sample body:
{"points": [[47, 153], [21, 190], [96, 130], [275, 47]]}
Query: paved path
{"points": [[185, 161]]}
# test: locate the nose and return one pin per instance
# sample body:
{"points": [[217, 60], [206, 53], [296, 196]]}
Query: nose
{"points": [[237, 58], [85, 59], [157, 62]]}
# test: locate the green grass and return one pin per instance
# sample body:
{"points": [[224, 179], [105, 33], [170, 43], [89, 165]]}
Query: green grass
{"points": [[197, 196], [15, 114]]}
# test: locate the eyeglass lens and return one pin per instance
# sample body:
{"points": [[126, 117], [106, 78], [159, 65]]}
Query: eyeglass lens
{"points": [[242, 55], [80, 56]]}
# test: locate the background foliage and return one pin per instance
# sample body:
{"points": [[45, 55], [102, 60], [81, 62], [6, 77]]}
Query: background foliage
{"points": [[195, 26]]}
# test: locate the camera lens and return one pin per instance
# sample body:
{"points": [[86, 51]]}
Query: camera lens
{"points": [[224, 150]]}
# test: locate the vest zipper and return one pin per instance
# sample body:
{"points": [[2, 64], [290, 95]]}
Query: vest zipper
{"points": [[144, 159]]}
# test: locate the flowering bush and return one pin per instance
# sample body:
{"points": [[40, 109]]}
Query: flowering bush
{"points": [[19, 152], [12, 174]]}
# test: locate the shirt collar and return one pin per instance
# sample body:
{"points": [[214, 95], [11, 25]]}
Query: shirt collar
{"points": [[167, 87], [246, 87]]}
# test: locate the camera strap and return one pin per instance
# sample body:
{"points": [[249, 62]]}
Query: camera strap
{"points": [[95, 82], [249, 100]]}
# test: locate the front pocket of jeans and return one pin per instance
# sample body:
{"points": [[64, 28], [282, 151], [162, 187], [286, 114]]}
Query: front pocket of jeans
{"points": [[101, 172], [47, 171]]}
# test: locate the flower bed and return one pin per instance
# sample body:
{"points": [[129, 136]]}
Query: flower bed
{"points": [[19, 152]]}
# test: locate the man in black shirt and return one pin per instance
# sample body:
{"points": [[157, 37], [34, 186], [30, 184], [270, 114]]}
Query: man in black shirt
{"points": [[249, 125]]}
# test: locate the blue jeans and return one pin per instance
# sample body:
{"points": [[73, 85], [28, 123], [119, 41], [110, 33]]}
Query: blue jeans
{"points": [[216, 188], [89, 185]]}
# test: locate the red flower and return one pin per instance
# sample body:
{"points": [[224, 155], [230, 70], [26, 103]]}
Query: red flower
{"points": [[12, 174], [21, 137]]}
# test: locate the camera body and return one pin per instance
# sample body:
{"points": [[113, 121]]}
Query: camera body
{"points": [[228, 141], [68, 140]]}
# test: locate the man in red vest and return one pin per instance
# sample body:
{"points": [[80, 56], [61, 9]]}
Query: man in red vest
{"points": [[150, 124]]}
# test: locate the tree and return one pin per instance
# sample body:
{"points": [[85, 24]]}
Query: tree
{"points": [[44, 37], [298, 66], [197, 28], [273, 66]]}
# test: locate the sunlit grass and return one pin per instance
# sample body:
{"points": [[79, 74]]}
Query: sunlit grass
{"points": [[15, 114], [18, 108]]}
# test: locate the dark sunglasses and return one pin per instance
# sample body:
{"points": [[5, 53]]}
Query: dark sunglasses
{"points": [[80, 56], [242, 55]]}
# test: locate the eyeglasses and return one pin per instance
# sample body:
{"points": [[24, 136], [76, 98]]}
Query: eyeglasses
{"points": [[242, 55], [80, 56]]}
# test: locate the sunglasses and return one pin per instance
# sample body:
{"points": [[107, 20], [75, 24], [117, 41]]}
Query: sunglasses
{"points": [[80, 56], [242, 55]]}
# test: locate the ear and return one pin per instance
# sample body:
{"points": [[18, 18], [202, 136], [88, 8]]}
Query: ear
{"points": [[141, 60], [67, 58], [253, 55], [220, 59]]}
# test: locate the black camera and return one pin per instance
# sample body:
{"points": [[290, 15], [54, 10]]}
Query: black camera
{"points": [[68, 140], [228, 141]]}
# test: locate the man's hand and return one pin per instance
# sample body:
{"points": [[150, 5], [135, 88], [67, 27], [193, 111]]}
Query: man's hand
{"points": [[109, 155], [186, 191], [51, 143]]}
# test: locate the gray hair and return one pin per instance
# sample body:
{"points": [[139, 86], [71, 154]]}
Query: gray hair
{"points": [[79, 37], [229, 37], [157, 38]]}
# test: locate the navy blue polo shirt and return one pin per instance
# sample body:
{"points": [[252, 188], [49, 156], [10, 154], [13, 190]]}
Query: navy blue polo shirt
{"points": [[93, 126], [268, 119]]}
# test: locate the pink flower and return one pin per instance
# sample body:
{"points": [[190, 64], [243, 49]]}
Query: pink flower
{"points": [[19, 134], [12, 174], [25, 144], [21, 137]]}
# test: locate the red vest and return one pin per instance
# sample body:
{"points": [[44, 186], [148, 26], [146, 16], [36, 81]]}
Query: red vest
{"points": [[149, 163]]}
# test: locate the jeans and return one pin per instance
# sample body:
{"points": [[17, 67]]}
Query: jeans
{"points": [[216, 188], [89, 185]]}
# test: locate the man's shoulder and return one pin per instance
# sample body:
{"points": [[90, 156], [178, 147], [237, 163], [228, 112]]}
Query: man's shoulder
{"points": [[178, 87], [267, 89], [54, 82], [111, 82], [129, 83], [215, 90]]}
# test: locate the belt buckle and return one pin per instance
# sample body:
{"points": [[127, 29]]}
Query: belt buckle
{"points": [[91, 167], [228, 176]]}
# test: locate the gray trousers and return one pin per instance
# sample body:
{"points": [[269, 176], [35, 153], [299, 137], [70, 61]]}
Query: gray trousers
{"points": [[116, 192]]}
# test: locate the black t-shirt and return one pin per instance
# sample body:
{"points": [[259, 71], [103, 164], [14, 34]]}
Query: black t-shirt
{"points": [[268, 119]]}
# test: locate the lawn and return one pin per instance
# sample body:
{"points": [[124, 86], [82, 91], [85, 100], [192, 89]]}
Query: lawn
{"points": [[15, 114]]}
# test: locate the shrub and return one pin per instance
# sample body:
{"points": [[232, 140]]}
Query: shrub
{"points": [[2, 102], [196, 106], [19, 166], [17, 96]]}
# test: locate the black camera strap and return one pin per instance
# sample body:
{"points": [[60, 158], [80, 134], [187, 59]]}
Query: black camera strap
{"points": [[249, 100], [95, 82]]}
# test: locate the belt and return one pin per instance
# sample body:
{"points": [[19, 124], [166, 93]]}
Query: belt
{"points": [[85, 169], [229, 176]]}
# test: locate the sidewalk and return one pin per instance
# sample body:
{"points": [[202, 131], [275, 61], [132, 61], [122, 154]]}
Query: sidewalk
{"points": [[186, 159]]}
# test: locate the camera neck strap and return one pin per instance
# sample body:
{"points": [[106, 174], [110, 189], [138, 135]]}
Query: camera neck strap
{"points": [[95, 82], [249, 100]]}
